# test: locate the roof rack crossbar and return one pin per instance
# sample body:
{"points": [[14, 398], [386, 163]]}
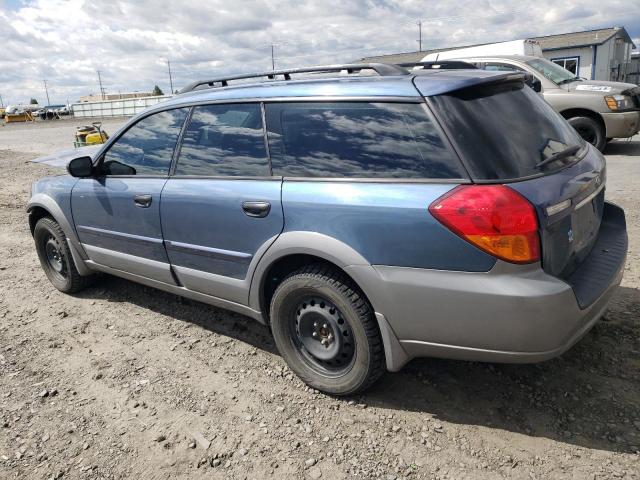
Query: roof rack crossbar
{"points": [[442, 64], [382, 69]]}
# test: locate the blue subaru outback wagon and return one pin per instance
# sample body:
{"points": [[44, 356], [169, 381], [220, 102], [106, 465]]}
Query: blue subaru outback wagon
{"points": [[369, 214]]}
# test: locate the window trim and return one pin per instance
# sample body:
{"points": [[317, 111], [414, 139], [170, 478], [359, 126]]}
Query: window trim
{"points": [[576, 58], [446, 141], [107, 146]]}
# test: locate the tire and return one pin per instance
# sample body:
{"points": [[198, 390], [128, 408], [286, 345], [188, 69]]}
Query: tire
{"points": [[55, 257], [590, 130], [319, 304]]}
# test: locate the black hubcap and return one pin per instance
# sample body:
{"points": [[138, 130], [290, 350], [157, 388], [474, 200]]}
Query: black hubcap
{"points": [[54, 256], [323, 336]]}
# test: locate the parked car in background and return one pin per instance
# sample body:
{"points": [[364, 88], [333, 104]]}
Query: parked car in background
{"points": [[598, 110], [367, 220]]}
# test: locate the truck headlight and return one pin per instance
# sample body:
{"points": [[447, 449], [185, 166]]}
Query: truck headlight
{"points": [[618, 102]]}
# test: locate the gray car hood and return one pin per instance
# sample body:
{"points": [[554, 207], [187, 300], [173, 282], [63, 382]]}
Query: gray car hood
{"points": [[63, 157], [599, 87]]}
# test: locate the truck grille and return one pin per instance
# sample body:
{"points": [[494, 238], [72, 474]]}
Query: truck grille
{"points": [[634, 93]]}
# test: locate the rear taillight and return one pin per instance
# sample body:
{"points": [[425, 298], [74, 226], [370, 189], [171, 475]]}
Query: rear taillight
{"points": [[494, 218]]}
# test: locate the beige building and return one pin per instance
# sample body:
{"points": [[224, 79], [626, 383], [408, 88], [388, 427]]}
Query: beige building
{"points": [[113, 96]]}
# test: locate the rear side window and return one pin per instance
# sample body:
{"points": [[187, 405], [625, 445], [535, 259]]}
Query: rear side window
{"points": [[365, 140], [224, 140], [506, 131], [147, 147]]}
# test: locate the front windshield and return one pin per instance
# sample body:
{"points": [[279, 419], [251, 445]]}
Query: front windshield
{"points": [[552, 71]]}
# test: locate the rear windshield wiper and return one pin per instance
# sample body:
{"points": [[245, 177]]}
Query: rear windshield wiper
{"points": [[567, 152]]}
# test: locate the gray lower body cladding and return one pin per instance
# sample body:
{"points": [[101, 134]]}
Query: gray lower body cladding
{"points": [[512, 313]]}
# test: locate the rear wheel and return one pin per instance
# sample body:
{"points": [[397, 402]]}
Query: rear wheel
{"points": [[55, 257], [590, 130], [326, 331]]}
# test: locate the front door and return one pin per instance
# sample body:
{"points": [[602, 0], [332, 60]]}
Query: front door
{"points": [[117, 213], [221, 208]]}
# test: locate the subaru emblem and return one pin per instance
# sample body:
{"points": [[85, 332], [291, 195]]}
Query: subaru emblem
{"points": [[570, 235]]}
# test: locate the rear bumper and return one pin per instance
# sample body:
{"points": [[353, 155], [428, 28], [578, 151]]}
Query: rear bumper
{"points": [[621, 124], [513, 313]]}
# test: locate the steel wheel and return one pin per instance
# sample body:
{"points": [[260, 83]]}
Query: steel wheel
{"points": [[54, 257], [323, 336]]}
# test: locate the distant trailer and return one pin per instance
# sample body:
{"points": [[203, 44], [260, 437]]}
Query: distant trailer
{"points": [[125, 107]]}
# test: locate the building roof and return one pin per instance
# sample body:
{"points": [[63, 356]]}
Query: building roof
{"points": [[550, 42], [581, 39]]}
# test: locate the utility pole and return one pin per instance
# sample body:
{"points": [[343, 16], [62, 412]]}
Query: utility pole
{"points": [[419, 35], [100, 82], [46, 90], [1, 102], [273, 60], [170, 79]]}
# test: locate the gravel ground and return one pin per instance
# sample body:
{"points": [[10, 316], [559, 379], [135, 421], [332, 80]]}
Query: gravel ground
{"points": [[121, 381]]}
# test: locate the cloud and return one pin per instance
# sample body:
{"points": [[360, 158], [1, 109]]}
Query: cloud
{"points": [[130, 41]]}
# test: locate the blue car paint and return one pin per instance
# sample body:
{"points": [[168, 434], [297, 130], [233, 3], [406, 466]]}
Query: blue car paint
{"points": [[106, 216], [59, 189], [206, 229], [387, 223]]}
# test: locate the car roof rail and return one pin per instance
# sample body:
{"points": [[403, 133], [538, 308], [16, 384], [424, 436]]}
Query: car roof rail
{"points": [[442, 64], [382, 69]]}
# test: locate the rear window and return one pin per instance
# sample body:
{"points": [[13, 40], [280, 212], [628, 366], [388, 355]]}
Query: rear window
{"points": [[506, 131], [357, 140]]}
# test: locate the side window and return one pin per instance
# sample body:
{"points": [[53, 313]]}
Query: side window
{"points": [[502, 67], [147, 147], [225, 140], [366, 140]]}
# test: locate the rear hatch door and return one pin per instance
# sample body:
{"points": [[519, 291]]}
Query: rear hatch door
{"points": [[505, 133]]}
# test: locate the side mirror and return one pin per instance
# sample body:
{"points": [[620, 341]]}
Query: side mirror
{"points": [[533, 82], [536, 84], [80, 167]]}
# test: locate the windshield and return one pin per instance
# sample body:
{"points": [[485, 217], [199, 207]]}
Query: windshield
{"points": [[552, 71], [506, 131]]}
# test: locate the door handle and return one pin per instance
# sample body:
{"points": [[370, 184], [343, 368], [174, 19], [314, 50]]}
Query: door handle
{"points": [[256, 209], [142, 201]]}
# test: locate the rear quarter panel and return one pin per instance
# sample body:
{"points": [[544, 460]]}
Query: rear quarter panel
{"points": [[386, 223]]}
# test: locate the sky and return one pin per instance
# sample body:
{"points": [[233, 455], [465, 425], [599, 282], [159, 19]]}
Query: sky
{"points": [[67, 42]]}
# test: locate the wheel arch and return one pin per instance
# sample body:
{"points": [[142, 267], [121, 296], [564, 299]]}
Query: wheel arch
{"points": [[292, 250], [584, 112]]}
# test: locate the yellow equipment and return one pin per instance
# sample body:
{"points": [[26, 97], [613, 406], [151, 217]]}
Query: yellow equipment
{"points": [[90, 135]]}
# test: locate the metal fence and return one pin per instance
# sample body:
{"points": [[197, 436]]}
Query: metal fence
{"points": [[115, 108]]}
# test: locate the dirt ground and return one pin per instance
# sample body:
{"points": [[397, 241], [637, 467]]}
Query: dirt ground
{"points": [[122, 381]]}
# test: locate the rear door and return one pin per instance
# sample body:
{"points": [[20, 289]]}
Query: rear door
{"points": [[117, 213], [221, 207]]}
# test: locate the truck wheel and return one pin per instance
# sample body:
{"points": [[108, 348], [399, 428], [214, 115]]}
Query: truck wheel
{"points": [[326, 331], [55, 257], [590, 130]]}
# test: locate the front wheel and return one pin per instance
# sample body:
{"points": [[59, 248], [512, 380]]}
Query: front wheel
{"points": [[590, 130], [326, 331], [55, 257]]}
